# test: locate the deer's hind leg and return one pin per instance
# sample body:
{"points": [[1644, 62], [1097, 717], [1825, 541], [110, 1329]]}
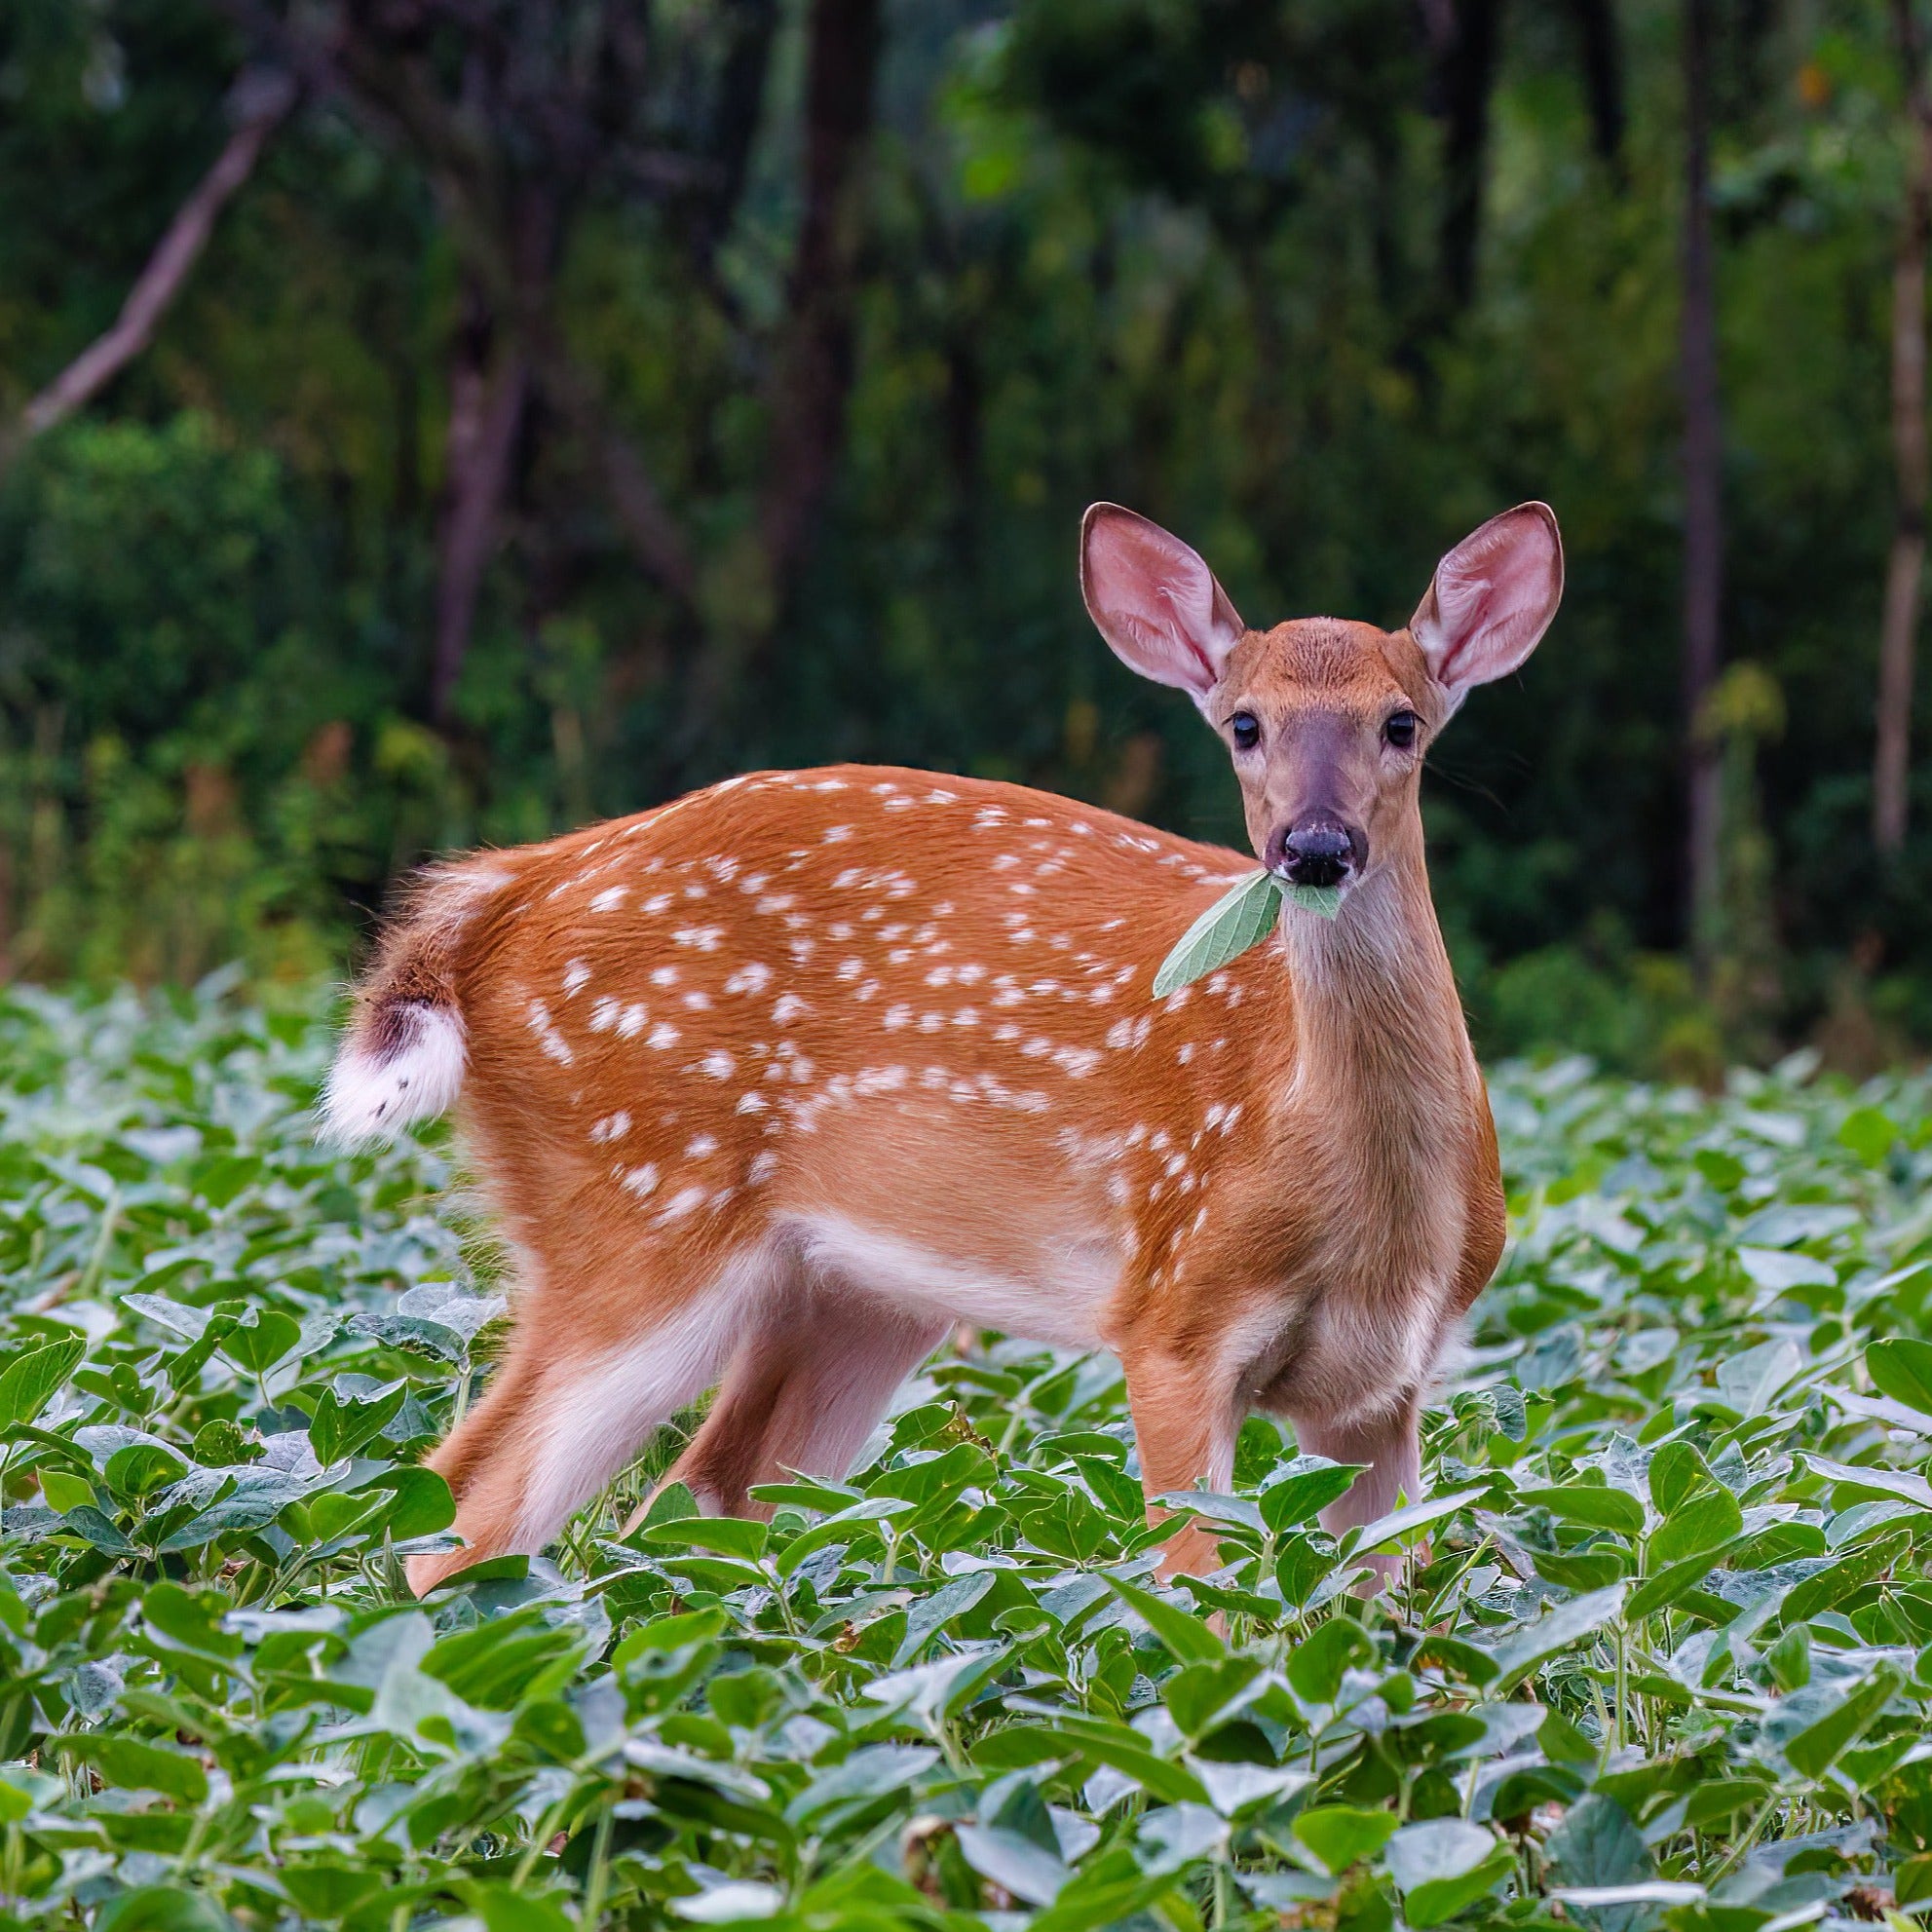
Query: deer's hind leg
{"points": [[803, 1390], [569, 1408]]}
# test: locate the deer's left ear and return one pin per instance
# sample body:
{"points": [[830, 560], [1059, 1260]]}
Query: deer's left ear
{"points": [[1491, 599]]}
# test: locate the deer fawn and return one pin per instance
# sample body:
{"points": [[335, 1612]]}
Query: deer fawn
{"points": [[782, 1081]]}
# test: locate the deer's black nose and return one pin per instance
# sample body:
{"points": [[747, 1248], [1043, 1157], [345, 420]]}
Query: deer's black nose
{"points": [[1319, 851]]}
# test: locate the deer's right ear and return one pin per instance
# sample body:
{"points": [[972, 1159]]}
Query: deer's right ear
{"points": [[1155, 602]]}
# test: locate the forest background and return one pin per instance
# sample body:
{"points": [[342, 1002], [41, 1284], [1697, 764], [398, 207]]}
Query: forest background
{"points": [[433, 422]]}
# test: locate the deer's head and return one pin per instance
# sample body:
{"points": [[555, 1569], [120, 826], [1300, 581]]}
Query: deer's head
{"points": [[1327, 720]]}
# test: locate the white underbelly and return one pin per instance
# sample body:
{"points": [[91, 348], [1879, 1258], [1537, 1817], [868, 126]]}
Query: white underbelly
{"points": [[1056, 1296]]}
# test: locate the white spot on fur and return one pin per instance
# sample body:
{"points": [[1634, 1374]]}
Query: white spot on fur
{"points": [[685, 1201], [548, 1037]]}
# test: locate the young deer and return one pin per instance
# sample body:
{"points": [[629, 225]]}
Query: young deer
{"points": [[783, 1080]]}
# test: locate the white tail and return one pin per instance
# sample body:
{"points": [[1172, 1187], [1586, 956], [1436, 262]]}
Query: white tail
{"points": [[777, 1084]]}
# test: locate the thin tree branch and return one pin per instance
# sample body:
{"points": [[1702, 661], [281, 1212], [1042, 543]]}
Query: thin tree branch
{"points": [[262, 99]]}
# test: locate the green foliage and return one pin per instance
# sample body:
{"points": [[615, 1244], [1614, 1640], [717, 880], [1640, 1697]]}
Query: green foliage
{"points": [[1657, 1650]]}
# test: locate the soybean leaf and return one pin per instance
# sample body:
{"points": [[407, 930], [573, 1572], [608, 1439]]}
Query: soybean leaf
{"points": [[29, 1382], [1243, 916]]}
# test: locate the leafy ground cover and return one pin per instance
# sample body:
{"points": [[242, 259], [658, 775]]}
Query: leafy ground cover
{"points": [[1663, 1661]]}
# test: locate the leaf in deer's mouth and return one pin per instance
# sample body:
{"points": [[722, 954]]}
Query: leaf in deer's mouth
{"points": [[1324, 899], [1242, 916]]}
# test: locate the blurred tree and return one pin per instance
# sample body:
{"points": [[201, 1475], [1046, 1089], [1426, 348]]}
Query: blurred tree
{"points": [[1703, 486], [1898, 637]]}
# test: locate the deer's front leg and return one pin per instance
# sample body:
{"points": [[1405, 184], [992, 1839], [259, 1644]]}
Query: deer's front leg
{"points": [[1390, 1442], [1185, 1417]]}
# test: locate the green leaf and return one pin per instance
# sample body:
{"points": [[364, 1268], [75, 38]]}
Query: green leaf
{"points": [[1300, 1497], [1697, 1524], [1901, 1367], [1443, 1865], [1665, 1587], [1677, 1473], [1014, 1863], [141, 1468], [161, 1909], [1900, 1483], [1325, 901], [330, 1888], [1519, 1653], [64, 1491], [30, 1380], [1812, 1750], [1850, 1573], [134, 1764], [733, 1535], [1316, 1664], [1184, 1634], [1242, 916], [1593, 1505], [261, 1339], [1401, 1523], [1344, 1835], [1597, 1844], [1869, 1132], [338, 1429]]}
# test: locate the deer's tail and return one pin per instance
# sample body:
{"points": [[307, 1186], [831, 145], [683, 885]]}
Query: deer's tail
{"points": [[403, 1054]]}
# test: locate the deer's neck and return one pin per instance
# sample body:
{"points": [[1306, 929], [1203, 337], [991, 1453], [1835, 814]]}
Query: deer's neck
{"points": [[1377, 1023]]}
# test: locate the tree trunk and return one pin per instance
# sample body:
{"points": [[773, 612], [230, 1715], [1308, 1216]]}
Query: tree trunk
{"points": [[1703, 506], [1602, 80], [1891, 764], [816, 367], [489, 387], [1466, 39], [811, 372]]}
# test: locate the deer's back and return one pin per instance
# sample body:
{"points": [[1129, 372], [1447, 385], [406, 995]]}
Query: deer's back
{"points": [[892, 1011]]}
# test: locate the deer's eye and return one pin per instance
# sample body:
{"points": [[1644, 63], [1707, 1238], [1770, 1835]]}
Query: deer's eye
{"points": [[1400, 729], [1247, 730]]}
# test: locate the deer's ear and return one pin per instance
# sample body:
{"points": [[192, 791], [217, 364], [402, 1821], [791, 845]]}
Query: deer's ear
{"points": [[1155, 602], [1492, 597]]}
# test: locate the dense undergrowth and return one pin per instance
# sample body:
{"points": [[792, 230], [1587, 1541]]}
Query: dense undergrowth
{"points": [[1664, 1659]]}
